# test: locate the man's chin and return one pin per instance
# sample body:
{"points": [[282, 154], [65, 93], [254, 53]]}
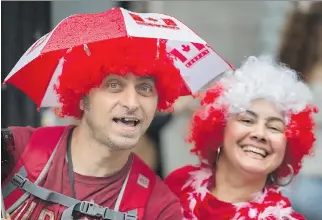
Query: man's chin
{"points": [[123, 143]]}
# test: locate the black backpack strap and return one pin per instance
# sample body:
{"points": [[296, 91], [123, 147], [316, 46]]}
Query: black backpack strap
{"points": [[84, 207], [94, 210], [9, 187]]}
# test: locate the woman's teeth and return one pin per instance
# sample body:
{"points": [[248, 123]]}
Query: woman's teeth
{"points": [[255, 150]]}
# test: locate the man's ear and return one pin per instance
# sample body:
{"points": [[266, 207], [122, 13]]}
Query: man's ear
{"points": [[83, 103]]}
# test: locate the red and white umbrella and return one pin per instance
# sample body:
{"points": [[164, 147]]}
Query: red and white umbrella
{"points": [[38, 69]]}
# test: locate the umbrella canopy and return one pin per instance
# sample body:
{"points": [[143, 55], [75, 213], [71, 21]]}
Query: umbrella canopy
{"points": [[38, 70]]}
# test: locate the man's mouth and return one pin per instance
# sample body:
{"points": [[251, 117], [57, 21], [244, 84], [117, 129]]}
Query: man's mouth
{"points": [[255, 150], [133, 122]]}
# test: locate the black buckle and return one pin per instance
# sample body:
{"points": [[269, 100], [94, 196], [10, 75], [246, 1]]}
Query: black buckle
{"points": [[130, 217], [91, 209], [94, 210], [19, 180], [110, 214]]}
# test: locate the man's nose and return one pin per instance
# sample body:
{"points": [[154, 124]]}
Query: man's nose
{"points": [[130, 99]]}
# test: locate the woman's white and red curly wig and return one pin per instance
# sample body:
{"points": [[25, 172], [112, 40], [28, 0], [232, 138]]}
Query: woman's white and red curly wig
{"points": [[84, 70], [257, 78]]}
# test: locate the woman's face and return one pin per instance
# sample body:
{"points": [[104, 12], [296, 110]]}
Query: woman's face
{"points": [[254, 141]]}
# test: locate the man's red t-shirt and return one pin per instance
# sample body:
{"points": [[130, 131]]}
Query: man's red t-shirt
{"points": [[162, 204]]}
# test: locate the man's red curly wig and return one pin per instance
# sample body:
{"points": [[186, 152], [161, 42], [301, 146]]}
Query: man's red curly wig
{"points": [[208, 122], [84, 70]]}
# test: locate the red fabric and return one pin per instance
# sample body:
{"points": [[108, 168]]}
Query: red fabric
{"points": [[207, 127], [211, 208], [161, 205], [14, 152], [93, 27], [21, 136], [30, 81], [301, 138]]}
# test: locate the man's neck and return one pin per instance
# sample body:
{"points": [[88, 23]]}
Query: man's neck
{"points": [[91, 158], [234, 186]]}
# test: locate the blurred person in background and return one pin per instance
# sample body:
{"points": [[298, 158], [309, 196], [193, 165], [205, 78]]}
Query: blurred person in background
{"points": [[251, 134], [301, 50]]}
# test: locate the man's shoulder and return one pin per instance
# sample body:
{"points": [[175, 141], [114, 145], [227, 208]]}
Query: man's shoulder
{"points": [[21, 133], [161, 190], [20, 136], [163, 203], [158, 187]]}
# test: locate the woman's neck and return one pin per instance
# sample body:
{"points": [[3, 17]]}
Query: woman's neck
{"points": [[234, 186]]}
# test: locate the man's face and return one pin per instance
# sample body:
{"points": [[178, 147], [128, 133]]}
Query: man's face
{"points": [[120, 110]]}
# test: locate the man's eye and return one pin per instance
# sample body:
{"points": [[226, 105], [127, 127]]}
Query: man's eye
{"points": [[114, 86], [146, 89]]}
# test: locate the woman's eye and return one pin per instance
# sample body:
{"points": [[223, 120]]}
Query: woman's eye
{"points": [[247, 121], [275, 129]]}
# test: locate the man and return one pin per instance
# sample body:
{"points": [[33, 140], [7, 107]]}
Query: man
{"points": [[115, 96]]}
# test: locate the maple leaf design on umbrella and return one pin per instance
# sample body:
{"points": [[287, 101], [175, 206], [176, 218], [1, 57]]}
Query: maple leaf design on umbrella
{"points": [[186, 48], [152, 19]]}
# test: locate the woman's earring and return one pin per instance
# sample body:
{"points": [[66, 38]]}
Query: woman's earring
{"points": [[218, 154], [285, 180]]}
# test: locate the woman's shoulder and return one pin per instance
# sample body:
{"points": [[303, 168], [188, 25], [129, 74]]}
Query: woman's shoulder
{"points": [[297, 216], [177, 178], [287, 211], [275, 204], [180, 178]]}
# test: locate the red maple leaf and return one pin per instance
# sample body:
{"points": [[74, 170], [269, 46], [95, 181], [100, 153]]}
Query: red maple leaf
{"points": [[186, 48]]}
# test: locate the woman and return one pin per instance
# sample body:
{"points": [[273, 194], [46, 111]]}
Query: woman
{"points": [[301, 50], [251, 134]]}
